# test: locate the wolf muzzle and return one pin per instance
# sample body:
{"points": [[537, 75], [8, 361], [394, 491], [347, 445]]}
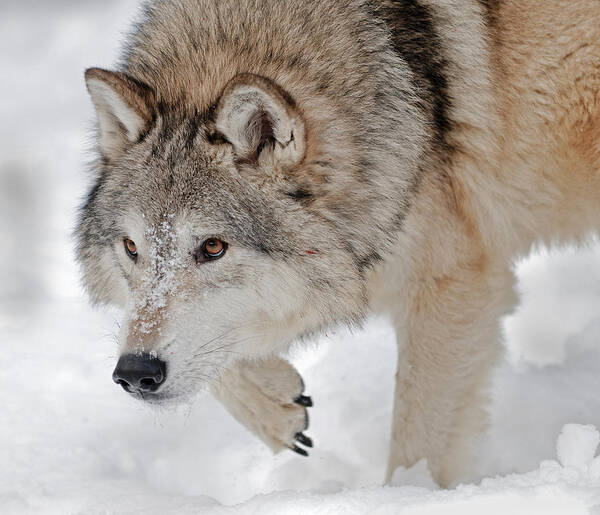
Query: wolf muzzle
{"points": [[140, 373]]}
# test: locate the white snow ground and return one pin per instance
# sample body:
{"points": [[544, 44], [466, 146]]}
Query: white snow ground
{"points": [[72, 442]]}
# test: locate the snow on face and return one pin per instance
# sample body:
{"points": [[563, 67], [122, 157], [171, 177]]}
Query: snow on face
{"points": [[169, 316], [158, 279]]}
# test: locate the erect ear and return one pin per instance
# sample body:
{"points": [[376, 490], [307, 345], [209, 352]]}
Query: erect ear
{"points": [[253, 112], [125, 109]]}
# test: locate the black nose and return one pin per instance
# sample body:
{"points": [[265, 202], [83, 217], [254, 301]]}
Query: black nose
{"points": [[140, 372]]}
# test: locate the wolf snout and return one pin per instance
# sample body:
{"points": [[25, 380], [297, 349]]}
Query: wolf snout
{"points": [[140, 373]]}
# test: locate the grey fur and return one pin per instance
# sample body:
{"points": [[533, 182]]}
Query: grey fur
{"points": [[376, 115], [354, 70], [356, 156]]}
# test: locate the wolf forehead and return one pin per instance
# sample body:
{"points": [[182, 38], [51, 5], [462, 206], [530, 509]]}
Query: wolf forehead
{"points": [[175, 173]]}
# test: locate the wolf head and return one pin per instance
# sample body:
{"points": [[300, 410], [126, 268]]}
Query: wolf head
{"points": [[200, 227], [254, 165]]}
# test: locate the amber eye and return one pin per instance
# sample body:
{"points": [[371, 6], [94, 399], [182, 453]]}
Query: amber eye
{"points": [[214, 248], [211, 249], [130, 248]]}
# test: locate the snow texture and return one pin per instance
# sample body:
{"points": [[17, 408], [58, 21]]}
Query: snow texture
{"points": [[576, 446], [73, 442]]}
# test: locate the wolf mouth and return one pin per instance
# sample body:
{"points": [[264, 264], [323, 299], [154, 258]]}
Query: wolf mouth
{"points": [[154, 398]]}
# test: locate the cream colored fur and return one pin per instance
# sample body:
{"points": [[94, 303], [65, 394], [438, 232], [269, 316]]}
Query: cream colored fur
{"points": [[261, 395], [523, 168], [530, 174], [537, 141]]}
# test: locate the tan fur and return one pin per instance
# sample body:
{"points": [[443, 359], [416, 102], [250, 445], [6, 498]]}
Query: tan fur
{"points": [[261, 395], [542, 181], [527, 172], [422, 226]]}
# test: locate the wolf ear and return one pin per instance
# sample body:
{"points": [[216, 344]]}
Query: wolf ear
{"points": [[253, 112], [125, 109]]}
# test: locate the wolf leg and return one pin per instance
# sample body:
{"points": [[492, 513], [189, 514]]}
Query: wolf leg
{"points": [[448, 343], [267, 397]]}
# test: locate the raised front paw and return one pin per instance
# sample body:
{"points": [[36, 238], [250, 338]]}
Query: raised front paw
{"points": [[267, 397]]}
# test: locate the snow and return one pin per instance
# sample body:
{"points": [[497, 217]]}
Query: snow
{"points": [[73, 442], [417, 475], [576, 446]]}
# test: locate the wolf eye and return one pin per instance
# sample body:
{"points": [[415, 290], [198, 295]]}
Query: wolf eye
{"points": [[211, 249], [130, 248]]}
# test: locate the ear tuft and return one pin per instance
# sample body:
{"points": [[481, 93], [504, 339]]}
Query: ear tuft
{"points": [[125, 108], [254, 111]]}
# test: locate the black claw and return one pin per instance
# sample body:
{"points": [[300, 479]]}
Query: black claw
{"points": [[304, 400], [299, 450], [303, 439]]}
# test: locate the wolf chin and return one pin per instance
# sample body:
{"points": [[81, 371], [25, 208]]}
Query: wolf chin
{"points": [[266, 170]]}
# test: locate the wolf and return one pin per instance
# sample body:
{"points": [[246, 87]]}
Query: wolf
{"points": [[269, 169]]}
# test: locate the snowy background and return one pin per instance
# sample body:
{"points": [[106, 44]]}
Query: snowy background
{"points": [[72, 442]]}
